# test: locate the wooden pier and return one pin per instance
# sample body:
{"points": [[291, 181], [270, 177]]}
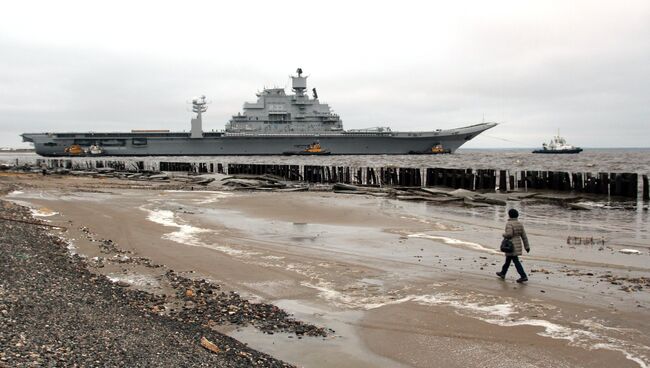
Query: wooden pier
{"points": [[624, 185]]}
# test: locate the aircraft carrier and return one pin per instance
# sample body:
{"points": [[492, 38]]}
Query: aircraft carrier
{"points": [[277, 123]]}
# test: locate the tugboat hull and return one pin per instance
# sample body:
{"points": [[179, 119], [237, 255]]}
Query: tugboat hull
{"points": [[303, 153], [554, 152]]}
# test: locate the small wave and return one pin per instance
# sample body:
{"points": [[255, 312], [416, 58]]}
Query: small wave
{"points": [[217, 192], [452, 241], [188, 234], [501, 313], [326, 291], [437, 225], [43, 212]]}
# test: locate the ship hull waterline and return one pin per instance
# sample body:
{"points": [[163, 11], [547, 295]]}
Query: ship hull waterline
{"points": [[224, 144]]}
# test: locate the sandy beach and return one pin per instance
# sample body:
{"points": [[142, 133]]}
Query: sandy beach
{"points": [[400, 283]]}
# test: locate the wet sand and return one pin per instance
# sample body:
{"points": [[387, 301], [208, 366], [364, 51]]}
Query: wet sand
{"points": [[401, 283]]}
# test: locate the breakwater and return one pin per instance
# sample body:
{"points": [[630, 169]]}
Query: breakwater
{"points": [[619, 184]]}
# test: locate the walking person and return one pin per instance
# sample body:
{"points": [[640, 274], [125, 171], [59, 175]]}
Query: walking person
{"points": [[515, 232]]}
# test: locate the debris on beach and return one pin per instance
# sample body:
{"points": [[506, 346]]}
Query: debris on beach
{"points": [[578, 207], [541, 270], [203, 302], [627, 284], [209, 345], [585, 240]]}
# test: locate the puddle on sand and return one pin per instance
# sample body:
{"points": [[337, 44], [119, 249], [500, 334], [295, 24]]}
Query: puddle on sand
{"points": [[343, 348]]}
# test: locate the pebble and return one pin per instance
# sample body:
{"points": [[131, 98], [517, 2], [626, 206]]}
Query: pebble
{"points": [[59, 313]]}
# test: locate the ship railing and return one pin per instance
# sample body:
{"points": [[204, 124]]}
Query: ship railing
{"points": [[371, 130], [309, 134]]}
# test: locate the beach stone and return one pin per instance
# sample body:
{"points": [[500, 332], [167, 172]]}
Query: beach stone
{"points": [[344, 187], [40, 318], [578, 207], [463, 193]]}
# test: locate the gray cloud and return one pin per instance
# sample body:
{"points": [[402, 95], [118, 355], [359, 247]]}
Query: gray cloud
{"points": [[536, 67]]}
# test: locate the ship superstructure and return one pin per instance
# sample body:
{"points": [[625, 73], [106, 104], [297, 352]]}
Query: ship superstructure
{"points": [[275, 112], [276, 123]]}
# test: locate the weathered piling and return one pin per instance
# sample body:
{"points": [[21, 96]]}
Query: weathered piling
{"points": [[624, 185], [502, 181], [176, 166], [486, 180], [603, 183], [288, 172]]}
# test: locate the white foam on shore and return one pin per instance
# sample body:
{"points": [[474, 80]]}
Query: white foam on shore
{"points": [[214, 197], [458, 242], [438, 225], [642, 362], [42, 212], [629, 251], [273, 258], [597, 325], [505, 315], [225, 194], [339, 299], [136, 279], [501, 314], [188, 234], [72, 248]]}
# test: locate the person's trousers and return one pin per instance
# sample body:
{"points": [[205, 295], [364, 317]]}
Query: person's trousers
{"points": [[518, 266]]}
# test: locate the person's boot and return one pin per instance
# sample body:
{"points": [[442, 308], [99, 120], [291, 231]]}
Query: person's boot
{"points": [[501, 275], [522, 280]]}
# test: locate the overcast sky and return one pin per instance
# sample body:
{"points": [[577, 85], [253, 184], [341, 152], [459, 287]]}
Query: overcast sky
{"points": [[534, 66]]}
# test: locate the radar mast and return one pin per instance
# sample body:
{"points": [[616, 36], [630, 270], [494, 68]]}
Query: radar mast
{"points": [[199, 106], [299, 83]]}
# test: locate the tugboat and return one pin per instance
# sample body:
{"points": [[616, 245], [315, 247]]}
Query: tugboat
{"points": [[435, 150], [558, 145], [77, 150], [312, 149]]}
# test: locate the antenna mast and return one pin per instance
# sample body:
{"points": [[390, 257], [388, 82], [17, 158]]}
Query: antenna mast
{"points": [[199, 106]]}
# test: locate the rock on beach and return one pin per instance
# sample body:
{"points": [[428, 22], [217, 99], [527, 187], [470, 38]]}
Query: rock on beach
{"points": [[55, 312]]}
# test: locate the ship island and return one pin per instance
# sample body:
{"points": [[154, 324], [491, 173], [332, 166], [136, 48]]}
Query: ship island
{"points": [[277, 123]]}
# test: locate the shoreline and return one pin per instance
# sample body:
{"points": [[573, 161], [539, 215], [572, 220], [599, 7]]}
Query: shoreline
{"points": [[55, 310], [350, 262]]}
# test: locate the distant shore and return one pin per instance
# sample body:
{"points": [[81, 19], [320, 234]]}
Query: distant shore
{"points": [[17, 150]]}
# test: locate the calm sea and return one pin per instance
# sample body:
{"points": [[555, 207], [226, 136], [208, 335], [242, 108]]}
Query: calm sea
{"points": [[591, 160]]}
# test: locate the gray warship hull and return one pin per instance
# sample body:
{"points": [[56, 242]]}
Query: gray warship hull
{"points": [[222, 143]]}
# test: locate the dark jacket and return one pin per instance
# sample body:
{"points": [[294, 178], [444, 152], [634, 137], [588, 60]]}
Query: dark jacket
{"points": [[515, 231]]}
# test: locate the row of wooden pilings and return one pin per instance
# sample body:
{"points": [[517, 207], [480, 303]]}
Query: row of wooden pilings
{"points": [[616, 184]]}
